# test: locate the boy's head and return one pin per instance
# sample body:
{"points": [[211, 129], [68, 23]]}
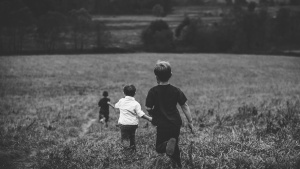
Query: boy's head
{"points": [[162, 70], [105, 94], [129, 90]]}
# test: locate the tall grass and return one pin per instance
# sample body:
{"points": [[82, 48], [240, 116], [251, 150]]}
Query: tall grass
{"points": [[245, 108]]}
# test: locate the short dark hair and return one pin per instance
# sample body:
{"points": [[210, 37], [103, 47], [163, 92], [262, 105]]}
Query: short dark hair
{"points": [[105, 94], [162, 70], [129, 90]]}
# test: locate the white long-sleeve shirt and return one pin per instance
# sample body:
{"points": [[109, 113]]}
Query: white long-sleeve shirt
{"points": [[130, 110]]}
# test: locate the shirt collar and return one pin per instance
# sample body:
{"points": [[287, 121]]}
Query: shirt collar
{"points": [[129, 98]]}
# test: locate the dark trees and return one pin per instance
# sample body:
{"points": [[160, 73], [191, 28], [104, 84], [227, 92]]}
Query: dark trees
{"points": [[16, 22], [158, 36], [50, 31]]}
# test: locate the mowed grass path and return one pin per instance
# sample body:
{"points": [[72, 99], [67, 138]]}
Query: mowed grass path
{"points": [[62, 91]]}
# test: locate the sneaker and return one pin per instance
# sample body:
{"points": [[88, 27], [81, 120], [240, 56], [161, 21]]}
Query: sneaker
{"points": [[175, 165], [171, 146], [102, 120]]}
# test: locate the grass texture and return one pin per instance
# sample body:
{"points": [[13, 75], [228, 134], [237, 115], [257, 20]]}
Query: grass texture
{"points": [[246, 111]]}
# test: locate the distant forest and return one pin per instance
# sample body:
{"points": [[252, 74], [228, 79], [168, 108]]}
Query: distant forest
{"points": [[40, 7], [54, 26]]}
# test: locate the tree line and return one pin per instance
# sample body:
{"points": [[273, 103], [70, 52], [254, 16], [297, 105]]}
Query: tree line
{"points": [[63, 25], [241, 30], [40, 7], [28, 28], [66, 25]]}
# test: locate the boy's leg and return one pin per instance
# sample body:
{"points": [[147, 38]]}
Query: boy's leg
{"points": [[101, 117], [176, 156], [106, 116], [128, 134], [164, 135], [132, 137], [124, 134]]}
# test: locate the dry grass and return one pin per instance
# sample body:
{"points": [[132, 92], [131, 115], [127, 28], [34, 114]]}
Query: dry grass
{"points": [[246, 110]]}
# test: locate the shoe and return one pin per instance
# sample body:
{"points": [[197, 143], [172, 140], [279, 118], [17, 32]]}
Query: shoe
{"points": [[171, 146], [102, 120], [175, 165]]}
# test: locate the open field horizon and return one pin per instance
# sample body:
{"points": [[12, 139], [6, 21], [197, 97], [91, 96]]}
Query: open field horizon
{"points": [[49, 103]]}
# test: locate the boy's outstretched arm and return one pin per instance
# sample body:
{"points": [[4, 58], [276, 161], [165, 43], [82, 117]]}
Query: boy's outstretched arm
{"points": [[149, 110], [186, 110], [109, 103], [147, 117]]}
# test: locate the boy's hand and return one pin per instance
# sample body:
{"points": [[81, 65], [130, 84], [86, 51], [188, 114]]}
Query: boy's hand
{"points": [[191, 127], [150, 119]]}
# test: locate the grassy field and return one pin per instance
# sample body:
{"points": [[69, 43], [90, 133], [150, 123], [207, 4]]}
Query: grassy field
{"points": [[246, 110]]}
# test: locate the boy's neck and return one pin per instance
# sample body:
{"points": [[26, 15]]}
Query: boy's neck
{"points": [[163, 83], [129, 96]]}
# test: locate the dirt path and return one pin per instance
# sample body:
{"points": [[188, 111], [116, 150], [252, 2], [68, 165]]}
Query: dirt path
{"points": [[85, 126]]}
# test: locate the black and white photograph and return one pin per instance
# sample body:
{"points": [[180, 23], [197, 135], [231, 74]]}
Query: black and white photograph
{"points": [[149, 84]]}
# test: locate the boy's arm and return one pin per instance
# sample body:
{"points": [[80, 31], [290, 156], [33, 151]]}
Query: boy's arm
{"points": [[109, 103], [138, 110], [114, 107], [149, 110], [186, 110], [147, 117]]}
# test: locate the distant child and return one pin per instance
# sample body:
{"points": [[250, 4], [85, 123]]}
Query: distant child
{"points": [[130, 110], [104, 104], [161, 104]]}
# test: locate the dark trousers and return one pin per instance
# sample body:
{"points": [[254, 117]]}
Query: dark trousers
{"points": [[164, 134], [104, 114], [128, 133]]}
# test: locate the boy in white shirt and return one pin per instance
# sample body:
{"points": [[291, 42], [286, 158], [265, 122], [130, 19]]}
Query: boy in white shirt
{"points": [[130, 110]]}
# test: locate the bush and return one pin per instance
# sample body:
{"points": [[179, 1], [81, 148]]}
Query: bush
{"points": [[158, 37], [193, 33], [158, 10], [179, 31], [102, 35], [239, 31], [252, 6]]}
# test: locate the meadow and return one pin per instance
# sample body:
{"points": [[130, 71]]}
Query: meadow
{"points": [[246, 111]]}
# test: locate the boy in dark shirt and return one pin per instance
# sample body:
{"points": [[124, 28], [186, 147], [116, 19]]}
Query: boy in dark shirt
{"points": [[104, 104], [161, 104]]}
